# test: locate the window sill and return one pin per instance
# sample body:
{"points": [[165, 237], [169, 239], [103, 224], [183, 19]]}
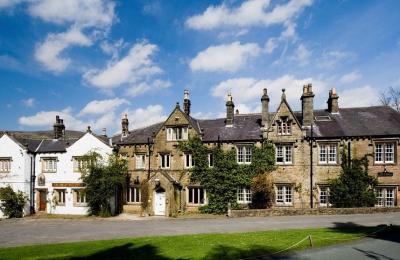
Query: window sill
{"points": [[80, 205], [283, 205], [384, 163], [133, 203], [195, 205]]}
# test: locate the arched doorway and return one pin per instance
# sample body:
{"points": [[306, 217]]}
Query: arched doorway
{"points": [[159, 202]]}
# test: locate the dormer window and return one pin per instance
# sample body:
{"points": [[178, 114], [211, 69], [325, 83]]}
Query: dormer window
{"points": [[284, 126], [177, 133]]}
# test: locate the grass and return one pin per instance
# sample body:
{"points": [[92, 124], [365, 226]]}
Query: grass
{"points": [[201, 246]]}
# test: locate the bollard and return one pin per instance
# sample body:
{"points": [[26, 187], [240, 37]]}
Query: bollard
{"points": [[310, 239], [229, 210]]}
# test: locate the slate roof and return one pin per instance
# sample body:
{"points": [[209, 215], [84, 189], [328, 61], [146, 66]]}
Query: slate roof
{"points": [[350, 122]]}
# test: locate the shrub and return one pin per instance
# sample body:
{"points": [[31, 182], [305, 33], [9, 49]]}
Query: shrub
{"points": [[13, 203]]}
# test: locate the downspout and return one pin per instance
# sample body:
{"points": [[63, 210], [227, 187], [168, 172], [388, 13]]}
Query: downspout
{"points": [[311, 168], [349, 154], [149, 150], [33, 178]]}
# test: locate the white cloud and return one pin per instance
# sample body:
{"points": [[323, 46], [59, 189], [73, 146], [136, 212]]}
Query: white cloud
{"points": [[141, 117], [329, 59], [249, 13], [97, 107], [271, 45], [144, 87], [226, 57], [369, 97], [350, 77], [48, 53], [248, 91], [30, 102], [135, 67], [9, 3], [301, 55]]}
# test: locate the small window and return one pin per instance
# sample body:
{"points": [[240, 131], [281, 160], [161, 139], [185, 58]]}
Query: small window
{"points": [[384, 153], [324, 196], [385, 196], [284, 195], [210, 160], [165, 161], [49, 165], [5, 165], [196, 195], [80, 197], [328, 154], [177, 133], [284, 126], [244, 195], [80, 163], [188, 160], [60, 197], [244, 154], [133, 195], [140, 160], [284, 154]]}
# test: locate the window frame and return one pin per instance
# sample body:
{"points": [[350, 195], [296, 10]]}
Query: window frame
{"points": [[188, 161], [383, 198], [191, 190], [284, 126], [284, 155], [5, 164], [61, 196], [163, 161], [81, 162], [143, 161], [45, 161], [243, 195], [177, 133], [245, 152], [287, 192], [77, 194], [326, 195], [383, 152], [210, 158], [133, 192], [328, 149]]}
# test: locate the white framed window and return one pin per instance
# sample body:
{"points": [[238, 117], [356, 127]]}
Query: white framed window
{"points": [[79, 197], [328, 154], [210, 160], [284, 154], [243, 195], [385, 196], [165, 161], [384, 152], [60, 196], [284, 126], [177, 133], [324, 196], [284, 195], [80, 163], [244, 154], [188, 161], [140, 161], [196, 195], [133, 194], [5, 165], [49, 165]]}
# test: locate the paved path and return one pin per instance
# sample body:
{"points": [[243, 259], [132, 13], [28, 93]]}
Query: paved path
{"points": [[38, 231]]}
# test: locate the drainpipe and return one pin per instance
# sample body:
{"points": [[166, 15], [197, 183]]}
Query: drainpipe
{"points": [[149, 150], [349, 153], [33, 178], [311, 169]]}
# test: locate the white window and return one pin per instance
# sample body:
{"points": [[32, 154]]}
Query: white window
{"points": [[80, 163], [177, 133], [60, 196], [133, 195], [5, 165], [244, 195], [140, 160], [79, 197], [284, 126], [384, 153], [327, 153], [244, 154], [49, 165], [210, 160], [385, 196], [189, 162], [284, 154], [164, 161], [324, 196], [284, 195], [196, 195]]}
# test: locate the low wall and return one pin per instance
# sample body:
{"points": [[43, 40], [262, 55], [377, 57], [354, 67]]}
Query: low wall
{"points": [[316, 211]]}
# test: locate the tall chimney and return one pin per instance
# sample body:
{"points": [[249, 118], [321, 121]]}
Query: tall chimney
{"points": [[186, 102], [264, 109], [58, 128], [333, 103], [307, 105], [230, 107], [125, 125]]}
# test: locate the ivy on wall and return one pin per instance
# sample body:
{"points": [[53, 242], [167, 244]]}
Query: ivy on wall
{"points": [[222, 180]]}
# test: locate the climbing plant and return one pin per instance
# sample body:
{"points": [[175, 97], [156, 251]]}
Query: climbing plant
{"points": [[222, 180]]}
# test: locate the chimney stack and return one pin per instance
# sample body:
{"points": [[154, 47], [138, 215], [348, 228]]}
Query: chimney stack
{"points": [[333, 103], [104, 130], [125, 126], [186, 102], [230, 107], [307, 105], [59, 128], [264, 109]]}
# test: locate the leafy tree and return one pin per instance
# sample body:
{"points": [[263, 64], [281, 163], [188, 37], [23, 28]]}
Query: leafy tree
{"points": [[101, 180], [13, 203], [354, 187], [222, 180]]}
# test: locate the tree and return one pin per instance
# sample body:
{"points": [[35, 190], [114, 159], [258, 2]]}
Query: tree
{"points": [[13, 203], [354, 187], [391, 97], [101, 180]]}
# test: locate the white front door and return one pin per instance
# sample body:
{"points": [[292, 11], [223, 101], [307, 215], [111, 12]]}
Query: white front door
{"points": [[159, 204]]}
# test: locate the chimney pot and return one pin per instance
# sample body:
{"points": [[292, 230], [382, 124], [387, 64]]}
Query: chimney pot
{"points": [[307, 105], [333, 102], [125, 125], [265, 109], [186, 102], [230, 106]]}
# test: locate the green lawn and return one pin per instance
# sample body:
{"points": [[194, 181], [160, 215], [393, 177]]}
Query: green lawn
{"points": [[202, 246]]}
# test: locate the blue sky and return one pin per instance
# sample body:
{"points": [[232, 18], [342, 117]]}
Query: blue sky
{"points": [[91, 61]]}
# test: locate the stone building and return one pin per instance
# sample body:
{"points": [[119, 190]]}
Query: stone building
{"points": [[308, 145]]}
